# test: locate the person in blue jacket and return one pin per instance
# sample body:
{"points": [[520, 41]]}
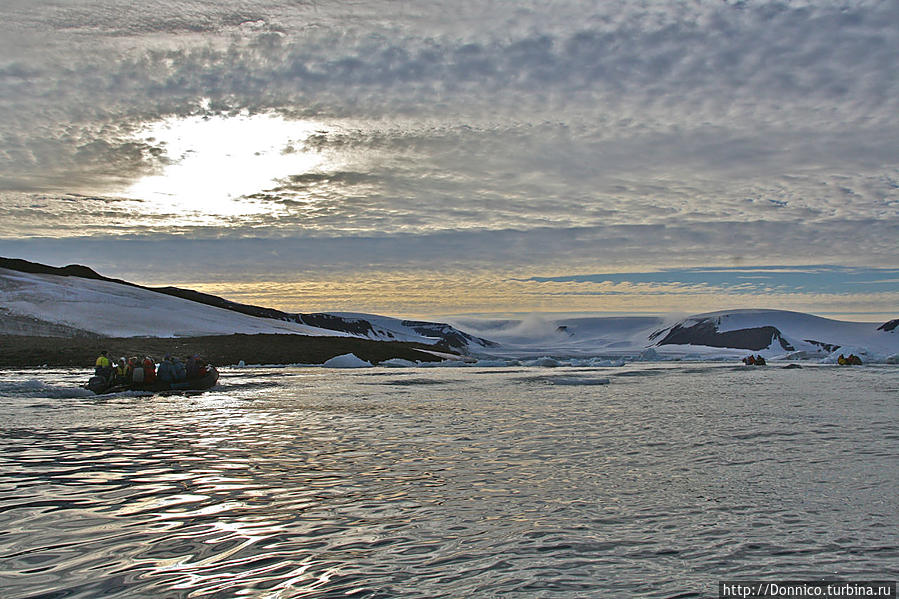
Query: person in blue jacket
{"points": [[180, 370], [166, 371]]}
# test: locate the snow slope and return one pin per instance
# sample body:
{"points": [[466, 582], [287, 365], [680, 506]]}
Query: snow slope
{"points": [[779, 333], [115, 310], [800, 329], [36, 299]]}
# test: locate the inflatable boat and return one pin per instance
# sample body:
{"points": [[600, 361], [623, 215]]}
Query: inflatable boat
{"points": [[101, 386]]}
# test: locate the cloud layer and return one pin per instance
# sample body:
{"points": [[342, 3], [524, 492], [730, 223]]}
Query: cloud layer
{"points": [[517, 135]]}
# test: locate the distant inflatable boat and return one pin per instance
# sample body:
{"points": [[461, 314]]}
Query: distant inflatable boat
{"points": [[852, 360], [101, 386]]}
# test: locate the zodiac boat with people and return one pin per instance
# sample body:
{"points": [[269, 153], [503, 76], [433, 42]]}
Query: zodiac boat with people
{"points": [[101, 386]]}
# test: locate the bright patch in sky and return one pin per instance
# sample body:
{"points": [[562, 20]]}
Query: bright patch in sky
{"points": [[215, 162]]}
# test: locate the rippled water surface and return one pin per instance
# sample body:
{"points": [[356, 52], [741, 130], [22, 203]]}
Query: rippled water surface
{"points": [[650, 480]]}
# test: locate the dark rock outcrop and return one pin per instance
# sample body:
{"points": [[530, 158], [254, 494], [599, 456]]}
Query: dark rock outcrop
{"points": [[338, 323], [72, 270], [890, 326], [705, 332], [452, 336], [220, 302], [828, 347]]}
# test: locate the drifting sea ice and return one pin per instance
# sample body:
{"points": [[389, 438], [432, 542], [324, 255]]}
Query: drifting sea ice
{"points": [[346, 361], [399, 363]]}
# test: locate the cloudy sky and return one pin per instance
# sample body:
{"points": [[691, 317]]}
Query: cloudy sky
{"points": [[431, 158]]}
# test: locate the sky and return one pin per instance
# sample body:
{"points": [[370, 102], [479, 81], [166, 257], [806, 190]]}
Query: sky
{"points": [[467, 157]]}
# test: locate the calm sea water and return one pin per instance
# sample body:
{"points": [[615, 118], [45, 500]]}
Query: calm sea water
{"points": [[450, 482]]}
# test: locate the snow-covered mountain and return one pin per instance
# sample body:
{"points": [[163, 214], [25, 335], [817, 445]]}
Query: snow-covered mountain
{"points": [[47, 301], [779, 333], [58, 302], [727, 334]]}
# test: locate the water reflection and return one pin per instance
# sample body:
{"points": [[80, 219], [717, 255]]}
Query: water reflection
{"points": [[482, 485]]}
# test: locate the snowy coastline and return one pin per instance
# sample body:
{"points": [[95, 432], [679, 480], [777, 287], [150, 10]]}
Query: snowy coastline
{"points": [[90, 312]]}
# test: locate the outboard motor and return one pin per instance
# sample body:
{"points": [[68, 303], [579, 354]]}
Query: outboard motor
{"points": [[97, 384]]}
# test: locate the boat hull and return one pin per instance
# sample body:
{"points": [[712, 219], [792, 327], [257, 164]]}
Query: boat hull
{"points": [[99, 385]]}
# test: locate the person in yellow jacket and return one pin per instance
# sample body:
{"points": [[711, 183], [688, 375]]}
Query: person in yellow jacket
{"points": [[121, 372], [102, 362], [103, 367]]}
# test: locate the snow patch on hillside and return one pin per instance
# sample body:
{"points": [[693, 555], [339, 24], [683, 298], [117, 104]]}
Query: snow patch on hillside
{"points": [[115, 310]]}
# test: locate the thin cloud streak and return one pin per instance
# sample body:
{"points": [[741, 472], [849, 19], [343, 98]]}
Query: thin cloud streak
{"points": [[749, 280]]}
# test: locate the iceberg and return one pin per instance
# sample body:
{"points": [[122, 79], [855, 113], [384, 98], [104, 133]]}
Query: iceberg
{"points": [[346, 361], [544, 362], [398, 363]]}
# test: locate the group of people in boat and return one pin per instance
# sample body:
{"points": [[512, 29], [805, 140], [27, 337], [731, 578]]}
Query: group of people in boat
{"points": [[137, 372], [852, 360], [751, 360]]}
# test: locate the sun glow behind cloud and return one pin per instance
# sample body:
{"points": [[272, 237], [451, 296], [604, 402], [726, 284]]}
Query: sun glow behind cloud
{"points": [[215, 163]]}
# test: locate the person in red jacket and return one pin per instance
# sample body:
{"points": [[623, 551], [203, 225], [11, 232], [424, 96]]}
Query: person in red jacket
{"points": [[149, 370]]}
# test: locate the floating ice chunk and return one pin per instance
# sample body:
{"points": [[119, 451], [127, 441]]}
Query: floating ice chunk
{"points": [[398, 363], [649, 355], [346, 361], [497, 363], [606, 363], [545, 362], [577, 381]]}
